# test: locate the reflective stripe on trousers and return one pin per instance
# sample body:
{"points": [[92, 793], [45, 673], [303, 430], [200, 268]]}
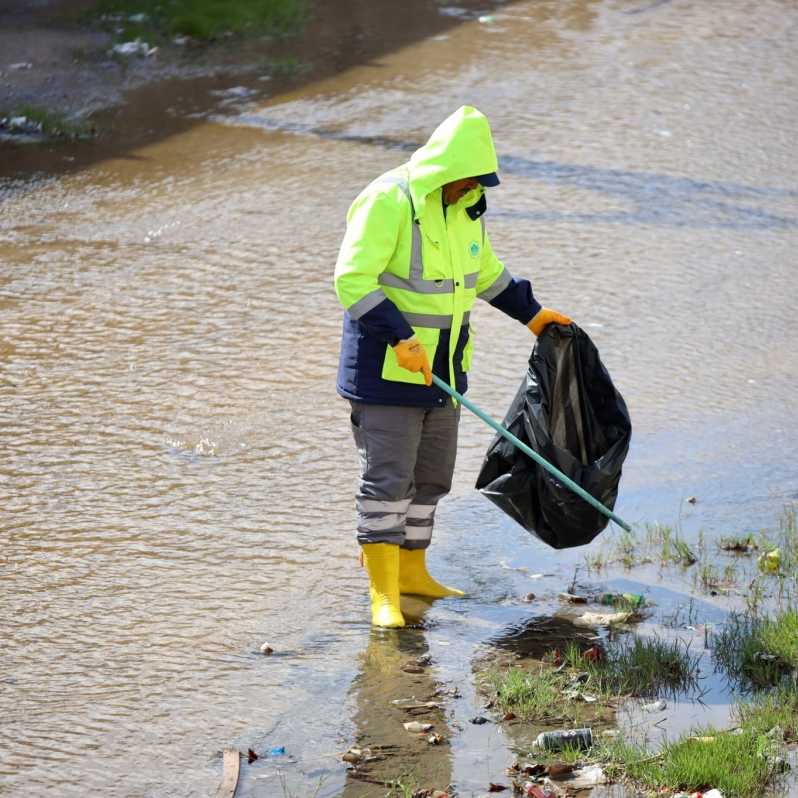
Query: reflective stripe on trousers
{"points": [[407, 457]]}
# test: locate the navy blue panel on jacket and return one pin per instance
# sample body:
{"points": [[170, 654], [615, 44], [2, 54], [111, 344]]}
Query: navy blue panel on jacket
{"points": [[517, 301], [363, 351]]}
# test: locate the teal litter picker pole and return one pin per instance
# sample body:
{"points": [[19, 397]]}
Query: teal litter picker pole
{"points": [[505, 433]]}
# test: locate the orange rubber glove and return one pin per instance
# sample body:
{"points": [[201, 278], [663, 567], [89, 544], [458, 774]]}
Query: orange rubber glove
{"points": [[411, 355], [546, 316]]}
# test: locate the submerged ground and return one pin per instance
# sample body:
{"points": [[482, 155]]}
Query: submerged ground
{"points": [[178, 471]]}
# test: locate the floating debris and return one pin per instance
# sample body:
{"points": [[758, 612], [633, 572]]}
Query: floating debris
{"points": [[572, 598], [414, 727], [770, 562], [655, 706], [356, 756], [412, 703], [479, 720], [603, 618], [266, 650]]}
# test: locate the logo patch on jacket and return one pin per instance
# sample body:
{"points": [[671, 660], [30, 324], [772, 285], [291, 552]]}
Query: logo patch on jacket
{"points": [[473, 249]]}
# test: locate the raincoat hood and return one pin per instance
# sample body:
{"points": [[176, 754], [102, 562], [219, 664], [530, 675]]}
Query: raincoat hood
{"points": [[461, 146]]}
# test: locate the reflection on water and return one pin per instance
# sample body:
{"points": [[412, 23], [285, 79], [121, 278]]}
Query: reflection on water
{"points": [[395, 680], [178, 473]]}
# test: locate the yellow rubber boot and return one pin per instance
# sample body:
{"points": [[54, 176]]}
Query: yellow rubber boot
{"points": [[414, 578], [382, 564]]}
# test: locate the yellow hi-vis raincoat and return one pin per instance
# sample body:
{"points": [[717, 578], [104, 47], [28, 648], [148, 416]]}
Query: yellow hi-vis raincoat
{"points": [[408, 266]]}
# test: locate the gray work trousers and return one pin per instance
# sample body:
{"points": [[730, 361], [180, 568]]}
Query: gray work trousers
{"points": [[407, 459]]}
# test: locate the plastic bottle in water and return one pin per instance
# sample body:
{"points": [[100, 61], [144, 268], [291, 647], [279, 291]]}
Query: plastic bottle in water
{"points": [[581, 739]]}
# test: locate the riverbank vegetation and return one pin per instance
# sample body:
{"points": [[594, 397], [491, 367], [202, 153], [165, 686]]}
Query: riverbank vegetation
{"points": [[37, 122], [203, 20], [754, 652], [740, 762]]}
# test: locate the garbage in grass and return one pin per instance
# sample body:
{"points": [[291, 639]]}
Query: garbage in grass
{"points": [[136, 47], [586, 777], [770, 561], [581, 739], [572, 598], [20, 124], [568, 411]]}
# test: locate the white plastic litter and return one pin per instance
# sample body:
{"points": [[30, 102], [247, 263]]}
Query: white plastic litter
{"points": [[588, 776], [414, 727], [602, 618], [137, 47]]}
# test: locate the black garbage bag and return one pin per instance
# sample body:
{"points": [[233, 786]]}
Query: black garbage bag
{"points": [[568, 411]]}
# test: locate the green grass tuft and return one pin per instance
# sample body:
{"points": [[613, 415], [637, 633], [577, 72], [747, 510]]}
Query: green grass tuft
{"points": [[728, 762], [758, 652], [532, 695], [202, 19]]}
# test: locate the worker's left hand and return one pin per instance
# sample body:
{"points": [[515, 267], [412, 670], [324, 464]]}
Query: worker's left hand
{"points": [[546, 316]]}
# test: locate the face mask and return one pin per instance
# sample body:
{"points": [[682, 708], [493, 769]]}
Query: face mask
{"points": [[472, 197]]}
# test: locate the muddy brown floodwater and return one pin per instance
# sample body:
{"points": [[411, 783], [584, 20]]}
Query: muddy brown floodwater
{"points": [[176, 468]]}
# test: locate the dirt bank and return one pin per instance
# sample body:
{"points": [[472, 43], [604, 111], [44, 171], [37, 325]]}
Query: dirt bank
{"points": [[55, 58]]}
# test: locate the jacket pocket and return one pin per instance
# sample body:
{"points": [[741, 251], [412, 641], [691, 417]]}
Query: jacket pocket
{"points": [[392, 371]]}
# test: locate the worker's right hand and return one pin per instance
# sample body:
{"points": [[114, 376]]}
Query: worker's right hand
{"points": [[411, 355]]}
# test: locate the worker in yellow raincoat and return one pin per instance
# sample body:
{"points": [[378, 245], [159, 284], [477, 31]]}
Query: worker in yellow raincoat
{"points": [[414, 259]]}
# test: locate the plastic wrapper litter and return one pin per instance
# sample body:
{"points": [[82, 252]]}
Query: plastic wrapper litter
{"points": [[568, 411]]}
